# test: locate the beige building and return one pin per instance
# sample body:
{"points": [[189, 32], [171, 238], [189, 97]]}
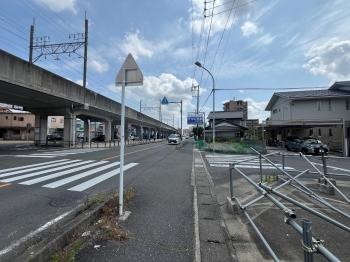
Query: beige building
{"points": [[237, 106], [16, 124]]}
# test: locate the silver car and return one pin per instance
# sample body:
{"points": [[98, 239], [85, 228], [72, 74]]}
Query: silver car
{"points": [[174, 139]]}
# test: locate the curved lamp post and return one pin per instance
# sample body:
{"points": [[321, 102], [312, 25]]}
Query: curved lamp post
{"points": [[213, 90]]}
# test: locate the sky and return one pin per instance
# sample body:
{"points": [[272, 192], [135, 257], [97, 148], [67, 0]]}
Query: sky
{"points": [[246, 44]]}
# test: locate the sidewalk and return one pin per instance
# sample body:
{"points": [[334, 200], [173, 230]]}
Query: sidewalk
{"points": [[211, 234]]}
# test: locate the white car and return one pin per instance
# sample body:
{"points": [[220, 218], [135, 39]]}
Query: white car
{"points": [[174, 139]]}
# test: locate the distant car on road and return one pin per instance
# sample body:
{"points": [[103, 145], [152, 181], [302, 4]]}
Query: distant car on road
{"points": [[174, 139], [99, 138], [293, 143]]}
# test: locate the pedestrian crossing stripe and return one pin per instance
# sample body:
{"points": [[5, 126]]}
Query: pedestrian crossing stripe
{"points": [[215, 160], [59, 153], [66, 171]]}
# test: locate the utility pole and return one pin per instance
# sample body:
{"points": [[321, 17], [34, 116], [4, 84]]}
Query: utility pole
{"points": [[181, 119], [141, 119], [197, 108], [31, 40], [85, 54]]}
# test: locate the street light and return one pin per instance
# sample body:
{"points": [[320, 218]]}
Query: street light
{"points": [[213, 90]]}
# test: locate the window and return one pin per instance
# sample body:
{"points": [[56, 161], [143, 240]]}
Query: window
{"points": [[319, 131], [329, 105], [319, 105], [15, 118], [311, 132], [347, 104], [7, 118], [21, 118], [53, 120], [274, 111], [330, 133]]}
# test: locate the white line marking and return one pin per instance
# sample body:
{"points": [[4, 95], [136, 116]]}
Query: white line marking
{"points": [[40, 164], [48, 177], [37, 168], [333, 167], [33, 233], [78, 176], [33, 156], [79, 162], [99, 179]]}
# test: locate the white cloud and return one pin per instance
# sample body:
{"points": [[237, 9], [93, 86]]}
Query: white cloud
{"points": [[265, 40], [222, 15], [256, 109], [331, 59], [58, 5], [137, 46], [98, 65], [156, 87], [249, 28]]}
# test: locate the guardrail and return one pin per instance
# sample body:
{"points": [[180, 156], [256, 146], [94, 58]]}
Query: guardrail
{"points": [[310, 244]]}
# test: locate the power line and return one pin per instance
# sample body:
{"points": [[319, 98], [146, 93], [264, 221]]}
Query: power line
{"points": [[13, 33], [224, 11], [207, 42]]}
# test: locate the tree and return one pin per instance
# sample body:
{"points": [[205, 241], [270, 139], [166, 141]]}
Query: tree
{"points": [[198, 132]]}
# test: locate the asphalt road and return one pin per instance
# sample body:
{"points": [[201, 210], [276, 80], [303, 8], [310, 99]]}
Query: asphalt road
{"points": [[33, 192]]}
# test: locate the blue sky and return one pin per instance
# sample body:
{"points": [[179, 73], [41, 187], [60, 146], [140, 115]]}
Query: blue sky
{"points": [[270, 44]]}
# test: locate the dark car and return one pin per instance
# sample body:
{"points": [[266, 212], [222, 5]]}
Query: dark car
{"points": [[293, 143], [99, 138], [314, 146], [54, 137]]}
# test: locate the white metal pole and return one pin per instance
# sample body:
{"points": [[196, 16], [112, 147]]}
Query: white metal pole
{"points": [[214, 119], [122, 143], [89, 133]]}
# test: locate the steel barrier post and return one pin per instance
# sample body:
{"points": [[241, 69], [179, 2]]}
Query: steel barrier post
{"points": [[324, 165], [261, 171], [283, 161], [231, 182]]}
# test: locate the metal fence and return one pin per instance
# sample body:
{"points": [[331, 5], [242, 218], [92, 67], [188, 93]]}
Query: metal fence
{"points": [[291, 177]]}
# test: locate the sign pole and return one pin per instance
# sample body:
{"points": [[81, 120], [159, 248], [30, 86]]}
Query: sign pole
{"points": [[122, 144]]}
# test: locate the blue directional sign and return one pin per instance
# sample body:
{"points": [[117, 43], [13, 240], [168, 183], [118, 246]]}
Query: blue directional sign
{"points": [[194, 119]]}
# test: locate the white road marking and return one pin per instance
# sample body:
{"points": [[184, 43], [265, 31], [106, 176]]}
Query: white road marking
{"points": [[79, 176], [77, 163], [99, 179], [58, 153], [33, 165], [66, 172], [33, 233], [216, 160], [37, 168], [333, 167]]}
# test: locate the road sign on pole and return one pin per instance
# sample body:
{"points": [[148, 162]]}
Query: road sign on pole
{"points": [[128, 75]]}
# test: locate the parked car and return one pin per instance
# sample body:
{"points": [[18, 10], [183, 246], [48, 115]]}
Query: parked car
{"points": [[98, 138], [174, 139], [312, 145], [54, 137], [293, 143]]}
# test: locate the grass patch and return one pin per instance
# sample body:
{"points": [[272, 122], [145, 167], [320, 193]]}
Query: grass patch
{"points": [[69, 253]]}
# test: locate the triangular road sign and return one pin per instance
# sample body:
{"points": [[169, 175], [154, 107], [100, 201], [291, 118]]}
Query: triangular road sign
{"points": [[129, 73], [164, 101]]}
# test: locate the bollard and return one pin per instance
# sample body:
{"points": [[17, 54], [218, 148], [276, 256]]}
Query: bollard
{"points": [[97, 144], [283, 161], [307, 240], [82, 143], [231, 182]]}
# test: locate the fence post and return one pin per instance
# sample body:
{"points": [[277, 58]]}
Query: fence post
{"points": [[307, 240], [261, 171], [324, 164], [283, 161], [231, 182]]}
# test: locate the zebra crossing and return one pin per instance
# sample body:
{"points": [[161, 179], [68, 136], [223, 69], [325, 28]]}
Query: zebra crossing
{"points": [[63, 172], [60, 153], [216, 160]]}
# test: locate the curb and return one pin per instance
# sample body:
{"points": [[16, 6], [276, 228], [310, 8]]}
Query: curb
{"points": [[42, 246]]}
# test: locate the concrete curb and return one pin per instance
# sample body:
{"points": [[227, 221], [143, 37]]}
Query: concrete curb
{"points": [[42, 246]]}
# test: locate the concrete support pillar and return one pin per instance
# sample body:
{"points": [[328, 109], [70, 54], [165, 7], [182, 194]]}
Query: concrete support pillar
{"points": [[40, 131], [69, 130], [108, 130], [86, 130]]}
